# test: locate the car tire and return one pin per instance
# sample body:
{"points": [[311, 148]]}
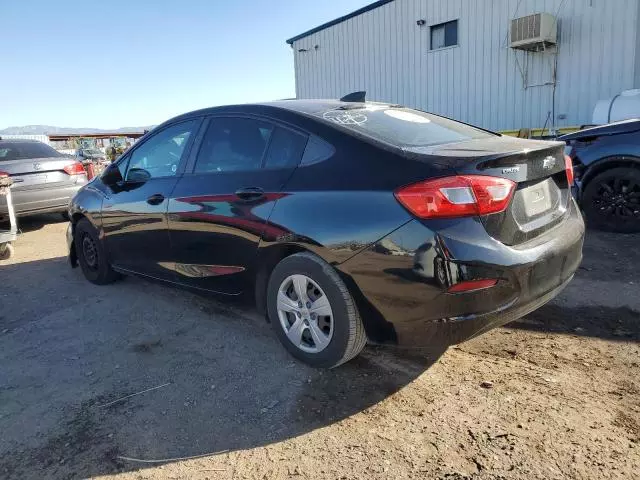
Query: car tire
{"points": [[340, 336], [65, 216], [6, 251], [611, 200], [92, 255]]}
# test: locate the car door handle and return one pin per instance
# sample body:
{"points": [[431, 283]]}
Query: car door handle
{"points": [[156, 199], [250, 193]]}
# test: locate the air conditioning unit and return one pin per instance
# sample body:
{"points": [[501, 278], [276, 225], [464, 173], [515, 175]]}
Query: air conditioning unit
{"points": [[534, 32]]}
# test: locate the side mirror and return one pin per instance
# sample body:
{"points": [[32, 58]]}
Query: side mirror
{"points": [[111, 175], [138, 175]]}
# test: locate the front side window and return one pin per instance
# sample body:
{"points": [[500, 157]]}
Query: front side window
{"points": [[444, 35], [233, 145], [160, 155]]}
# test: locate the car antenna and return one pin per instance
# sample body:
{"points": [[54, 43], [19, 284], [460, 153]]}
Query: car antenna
{"points": [[354, 97]]}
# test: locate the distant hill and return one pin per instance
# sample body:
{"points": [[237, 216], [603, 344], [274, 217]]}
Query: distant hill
{"points": [[48, 129]]}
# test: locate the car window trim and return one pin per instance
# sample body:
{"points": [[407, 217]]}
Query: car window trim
{"points": [[190, 170], [195, 147], [183, 156]]}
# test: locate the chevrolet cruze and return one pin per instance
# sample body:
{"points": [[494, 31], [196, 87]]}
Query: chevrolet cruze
{"points": [[348, 221]]}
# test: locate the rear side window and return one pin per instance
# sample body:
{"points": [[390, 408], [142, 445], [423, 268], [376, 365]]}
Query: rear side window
{"points": [[233, 144], [402, 127], [24, 150], [286, 149], [317, 150]]}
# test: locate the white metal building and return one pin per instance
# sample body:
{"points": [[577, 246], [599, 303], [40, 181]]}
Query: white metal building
{"points": [[456, 58]]}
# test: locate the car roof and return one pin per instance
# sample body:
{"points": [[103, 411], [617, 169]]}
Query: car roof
{"points": [[314, 106], [308, 107]]}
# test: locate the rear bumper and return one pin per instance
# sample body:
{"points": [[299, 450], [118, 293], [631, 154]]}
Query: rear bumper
{"points": [[400, 283], [28, 202]]}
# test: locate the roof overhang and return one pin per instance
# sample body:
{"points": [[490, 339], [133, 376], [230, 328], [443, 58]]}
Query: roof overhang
{"points": [[360, 11]]}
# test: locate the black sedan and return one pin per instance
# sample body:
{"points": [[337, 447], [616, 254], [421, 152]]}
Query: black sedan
{"points": [[606, 160], [348, 221]]}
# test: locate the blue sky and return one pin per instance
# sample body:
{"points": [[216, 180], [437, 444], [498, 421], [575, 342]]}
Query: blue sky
{"points": [[79, 63]]}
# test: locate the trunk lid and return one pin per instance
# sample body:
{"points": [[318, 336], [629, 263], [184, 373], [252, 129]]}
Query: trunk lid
{"points": [[39, 173], [542, 194]]}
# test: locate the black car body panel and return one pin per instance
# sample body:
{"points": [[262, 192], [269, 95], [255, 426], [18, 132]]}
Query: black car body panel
{"points": [[616, 128], [594, 150], [422, 259], [222, 231]]}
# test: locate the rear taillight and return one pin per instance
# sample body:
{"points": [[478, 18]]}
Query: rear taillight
{"points": [[3, 174], [568, 166], [75, 169], [461, 196]]}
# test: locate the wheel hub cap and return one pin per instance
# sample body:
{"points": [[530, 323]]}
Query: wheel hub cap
{"points": [[620, 198], [90, 252], [305, 313]]}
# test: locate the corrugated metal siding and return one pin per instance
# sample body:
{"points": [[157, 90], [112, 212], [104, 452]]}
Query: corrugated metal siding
{"points": [[384, 52], [636, 82]]}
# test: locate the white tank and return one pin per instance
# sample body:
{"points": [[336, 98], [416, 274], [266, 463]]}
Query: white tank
{"points": [[623, 106]]}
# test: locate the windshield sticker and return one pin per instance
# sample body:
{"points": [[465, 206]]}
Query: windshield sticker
{"points": [[345, 117], [407, 116]]}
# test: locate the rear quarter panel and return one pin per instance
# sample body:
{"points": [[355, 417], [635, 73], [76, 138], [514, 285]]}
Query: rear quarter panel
{"points": [[602, 153], [589, 153], [339, 206]]}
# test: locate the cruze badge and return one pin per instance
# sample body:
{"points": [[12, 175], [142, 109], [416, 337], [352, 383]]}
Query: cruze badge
{"points": [[548, 162], [511, 170]]}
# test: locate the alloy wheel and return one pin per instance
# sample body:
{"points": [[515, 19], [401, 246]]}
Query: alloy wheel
{"points": [[90, 252], [305, 313], [618, 198]]}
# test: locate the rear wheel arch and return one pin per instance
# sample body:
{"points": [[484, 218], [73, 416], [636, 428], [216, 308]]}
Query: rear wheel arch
{"points": [[378, 329], [608, 163], [320, 283], [267, 260]]}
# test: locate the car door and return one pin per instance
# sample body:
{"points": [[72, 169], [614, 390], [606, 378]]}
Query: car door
{"points": [[220, 207], [134, 213]]}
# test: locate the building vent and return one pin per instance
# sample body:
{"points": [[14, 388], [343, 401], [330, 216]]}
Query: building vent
{"points": [[534, 32]]}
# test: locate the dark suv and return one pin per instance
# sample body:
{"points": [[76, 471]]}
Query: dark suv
{"points": [[606, 160]]}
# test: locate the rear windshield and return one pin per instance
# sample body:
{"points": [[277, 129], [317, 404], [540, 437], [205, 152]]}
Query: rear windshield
{"points": [[402, 127], [22, 150]]}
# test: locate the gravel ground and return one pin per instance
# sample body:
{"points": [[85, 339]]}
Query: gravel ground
{"points": [[554, 395]]}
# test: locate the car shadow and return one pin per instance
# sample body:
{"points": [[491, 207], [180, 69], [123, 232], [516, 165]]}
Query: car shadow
{"points": [[608, 323], [35, 222], [94, 377]]}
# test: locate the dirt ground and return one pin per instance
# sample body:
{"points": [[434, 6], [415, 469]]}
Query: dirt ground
{"points": [[553, 396]]}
